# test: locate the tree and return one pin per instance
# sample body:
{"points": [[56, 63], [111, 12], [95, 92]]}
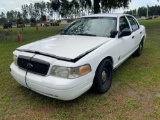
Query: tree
{"points": [[2, 19], [108, 4], [24, 11], [37, 10], [86, 6], [75, 7], [19, 15], [65, 8], [42, 8], [2, 15], [48, 6], [31, 10], [10, 15], [55, 5]]}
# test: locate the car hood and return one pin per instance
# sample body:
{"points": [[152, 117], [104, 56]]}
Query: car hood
{"points": [[65, 46]]}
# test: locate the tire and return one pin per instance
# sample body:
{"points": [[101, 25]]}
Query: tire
{"points": [[138, 52], [103, 77]]}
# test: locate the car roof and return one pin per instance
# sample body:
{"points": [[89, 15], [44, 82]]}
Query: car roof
{"points": [[106, 15]]}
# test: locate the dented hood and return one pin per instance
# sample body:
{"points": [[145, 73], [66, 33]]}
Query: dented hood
{"points": [[65, 46]]}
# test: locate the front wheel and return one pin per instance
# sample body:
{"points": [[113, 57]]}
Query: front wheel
{"points": [[138, 52], [103, 77]]}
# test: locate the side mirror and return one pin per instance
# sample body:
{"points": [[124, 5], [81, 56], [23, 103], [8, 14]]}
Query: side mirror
{"points": [[125, 32], [62, 31], [113, 33]]}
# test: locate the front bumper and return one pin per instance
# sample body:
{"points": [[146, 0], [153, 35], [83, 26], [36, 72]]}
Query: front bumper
{"points": [[59, 88]]}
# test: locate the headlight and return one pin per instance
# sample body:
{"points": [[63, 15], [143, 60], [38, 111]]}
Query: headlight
{"points": [[15, 59], [70, 72]]}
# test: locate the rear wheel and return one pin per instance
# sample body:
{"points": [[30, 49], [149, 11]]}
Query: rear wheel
{"points": [[103, 77]]}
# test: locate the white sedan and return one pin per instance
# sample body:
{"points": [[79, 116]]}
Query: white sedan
{"points": [[81, 57]]}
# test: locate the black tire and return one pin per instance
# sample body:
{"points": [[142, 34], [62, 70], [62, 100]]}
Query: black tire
{"points": [[138, 52], [103, 77]]}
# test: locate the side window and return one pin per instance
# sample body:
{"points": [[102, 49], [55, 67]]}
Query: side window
{"points": [[133, 22], [123, 24]]}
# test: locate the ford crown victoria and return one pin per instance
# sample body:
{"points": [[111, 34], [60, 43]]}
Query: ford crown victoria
{"points": [[81, 57]]}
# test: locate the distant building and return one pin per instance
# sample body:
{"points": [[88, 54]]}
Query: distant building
{"points": [[143, 17], [155, 16], [64, 22]]}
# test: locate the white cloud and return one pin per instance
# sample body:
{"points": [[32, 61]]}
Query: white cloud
{"points": [[16, 4], [2, 8], [139, 3], [18, 8], [135, 4]]}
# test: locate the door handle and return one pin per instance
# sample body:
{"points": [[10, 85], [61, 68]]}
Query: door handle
{"points": [[132, 37], [140, 32]]}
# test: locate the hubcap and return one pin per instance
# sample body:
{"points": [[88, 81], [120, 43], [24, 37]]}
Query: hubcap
{"points": [[104, 76]]}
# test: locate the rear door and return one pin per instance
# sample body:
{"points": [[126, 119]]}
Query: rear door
{"points": [[136, 31]]}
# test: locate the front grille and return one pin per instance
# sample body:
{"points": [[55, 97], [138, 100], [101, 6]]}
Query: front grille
{"points": [[23, 61], [33, 65]]}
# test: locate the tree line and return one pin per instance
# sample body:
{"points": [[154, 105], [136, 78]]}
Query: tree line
{"points": [[63, 9], [145, 11], [72, 9]]}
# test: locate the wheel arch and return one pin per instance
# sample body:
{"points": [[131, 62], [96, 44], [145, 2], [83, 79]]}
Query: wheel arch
{"points": [[107, 57], [143, 38]]}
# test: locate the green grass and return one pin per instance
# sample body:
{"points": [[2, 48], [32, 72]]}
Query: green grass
{"points": [[132, 94]]}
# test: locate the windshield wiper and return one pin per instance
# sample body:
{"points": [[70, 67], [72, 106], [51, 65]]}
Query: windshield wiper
{"points": [[68, 34], [86, 34]]}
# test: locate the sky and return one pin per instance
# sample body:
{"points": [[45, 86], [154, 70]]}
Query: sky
{"points": [[7, 5]]}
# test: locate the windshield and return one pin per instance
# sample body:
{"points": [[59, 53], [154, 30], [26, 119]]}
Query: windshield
{"points": [[95, 26]]}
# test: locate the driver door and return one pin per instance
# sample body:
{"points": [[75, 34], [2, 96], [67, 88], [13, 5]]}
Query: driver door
{"points": [[126, 43]]}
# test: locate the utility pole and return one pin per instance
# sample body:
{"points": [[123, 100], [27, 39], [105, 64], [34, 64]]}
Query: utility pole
{"points": [[147, 11]]}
